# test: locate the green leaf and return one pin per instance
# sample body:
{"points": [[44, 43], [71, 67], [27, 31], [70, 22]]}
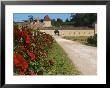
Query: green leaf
{"points": [[26, 57]]}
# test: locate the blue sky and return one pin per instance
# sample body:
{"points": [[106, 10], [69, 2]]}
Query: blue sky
{"points": [[18, 17]]}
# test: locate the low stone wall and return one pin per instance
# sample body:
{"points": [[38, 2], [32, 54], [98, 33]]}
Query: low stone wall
{"points": [[71, 32]]}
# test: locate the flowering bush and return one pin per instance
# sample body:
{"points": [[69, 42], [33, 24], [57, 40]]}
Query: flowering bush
{"points": [[31, 51]]}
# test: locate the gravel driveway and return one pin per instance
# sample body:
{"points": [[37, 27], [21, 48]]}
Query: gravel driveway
{"points": [[83, 57]]}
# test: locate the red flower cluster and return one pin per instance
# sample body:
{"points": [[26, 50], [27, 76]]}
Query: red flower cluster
{"points": [[31, 55], [17, 34], [20, 63], [21, 33], [32, 73], [30, 52], [26, 36]]}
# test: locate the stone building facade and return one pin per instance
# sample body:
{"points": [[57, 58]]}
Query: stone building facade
{"points": [[47, 21], [37, 24]]}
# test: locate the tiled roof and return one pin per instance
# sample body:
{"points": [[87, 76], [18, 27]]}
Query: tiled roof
{"points": [[47, 18]]}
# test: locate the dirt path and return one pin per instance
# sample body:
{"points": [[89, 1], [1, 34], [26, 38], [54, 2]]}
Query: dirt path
{"points": [[84, 57]]}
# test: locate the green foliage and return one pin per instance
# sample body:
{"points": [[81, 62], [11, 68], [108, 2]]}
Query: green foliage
{"points": [[53, 21], [41, 20], [62, 64], [84, 19], [92, 40], [57, 22], [78, 19], [39, 54], [67, 20], [31, 52]]}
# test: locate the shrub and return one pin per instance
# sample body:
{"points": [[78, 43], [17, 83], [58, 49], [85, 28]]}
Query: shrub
{"points": [[92, 40], [31, 51]]}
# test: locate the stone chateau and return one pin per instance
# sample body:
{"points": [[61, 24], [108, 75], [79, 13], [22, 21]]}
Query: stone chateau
{"points": [[46, 26]]}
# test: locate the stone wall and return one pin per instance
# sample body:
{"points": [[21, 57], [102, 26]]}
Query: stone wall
{"points": [[72, 31]]}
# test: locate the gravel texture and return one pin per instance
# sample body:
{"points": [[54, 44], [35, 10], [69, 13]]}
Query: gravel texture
{"points": [[83, 57]]}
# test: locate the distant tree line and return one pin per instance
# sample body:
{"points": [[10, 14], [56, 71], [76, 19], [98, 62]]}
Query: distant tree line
{"points": [[78, 19]]}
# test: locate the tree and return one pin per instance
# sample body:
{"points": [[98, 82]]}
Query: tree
{"points": [[84, 19], [72, 16], [41, 20], [59, 21], [31, 18], [67, 20], [53, 21]]}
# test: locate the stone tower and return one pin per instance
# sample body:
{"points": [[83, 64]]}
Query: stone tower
{"points": [[47, 21]]}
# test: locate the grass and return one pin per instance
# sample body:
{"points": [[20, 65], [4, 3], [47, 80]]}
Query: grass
{"points": [[63, 65], [80, 39]]}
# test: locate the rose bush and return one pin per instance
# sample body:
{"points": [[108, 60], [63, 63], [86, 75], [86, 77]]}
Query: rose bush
{"points": [[31, 51]]}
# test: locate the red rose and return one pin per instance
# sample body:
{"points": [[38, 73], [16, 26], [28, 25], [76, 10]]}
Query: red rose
{"points": [[20, 62], [32, 55], [26, 37]]}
